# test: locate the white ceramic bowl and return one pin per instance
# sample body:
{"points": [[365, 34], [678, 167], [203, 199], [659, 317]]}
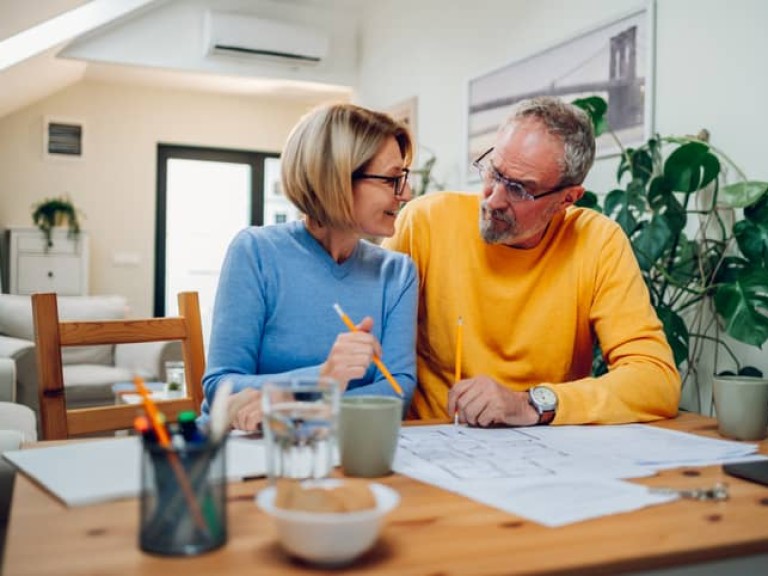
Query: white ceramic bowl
{"points": [[329, 538]]}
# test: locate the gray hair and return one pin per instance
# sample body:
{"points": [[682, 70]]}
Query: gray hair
{"points": [[572, 125]]}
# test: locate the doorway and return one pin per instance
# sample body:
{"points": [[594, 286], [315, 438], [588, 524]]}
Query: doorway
{"points": [[204, 197]]}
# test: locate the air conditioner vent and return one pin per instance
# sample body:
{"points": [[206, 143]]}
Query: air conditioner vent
{"points": [[244, 35], [268, 53]]}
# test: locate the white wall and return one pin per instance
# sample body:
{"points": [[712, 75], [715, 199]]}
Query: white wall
{"points": [[115, 183], [424, 49], [710, 72]]}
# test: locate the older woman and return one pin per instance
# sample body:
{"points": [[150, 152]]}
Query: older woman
{"points": [[346, 169]]}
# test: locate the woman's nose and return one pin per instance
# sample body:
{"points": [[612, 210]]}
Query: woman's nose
{"points": [[407, 193]]}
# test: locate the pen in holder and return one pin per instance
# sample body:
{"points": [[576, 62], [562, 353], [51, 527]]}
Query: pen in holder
{"points": [[171, 523]]}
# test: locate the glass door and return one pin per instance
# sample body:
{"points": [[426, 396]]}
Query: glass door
{"points": [[205, 196]]}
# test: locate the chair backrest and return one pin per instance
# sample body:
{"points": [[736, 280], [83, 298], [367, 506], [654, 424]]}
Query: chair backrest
{"points": [[51, 334]]}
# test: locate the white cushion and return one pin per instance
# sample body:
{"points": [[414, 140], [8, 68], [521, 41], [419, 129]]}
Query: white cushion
{"points": [[17, 425], [88, 384], [16, 321]]}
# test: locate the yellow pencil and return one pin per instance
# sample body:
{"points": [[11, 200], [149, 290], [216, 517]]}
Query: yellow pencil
{"points": [[457, 371], [459, 344], [376, 360]]}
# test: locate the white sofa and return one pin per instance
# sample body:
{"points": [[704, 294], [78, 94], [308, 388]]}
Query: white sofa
{"points": [[17, 425], [17, 422], [89, 371]]}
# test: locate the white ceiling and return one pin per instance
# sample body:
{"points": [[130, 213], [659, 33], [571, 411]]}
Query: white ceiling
{"points": [[158, 43]]}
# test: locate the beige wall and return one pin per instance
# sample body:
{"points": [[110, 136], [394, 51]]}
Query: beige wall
{"points": [[115, 183]]}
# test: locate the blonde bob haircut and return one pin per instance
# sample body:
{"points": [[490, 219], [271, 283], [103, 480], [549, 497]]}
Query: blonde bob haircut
{"points": [[325, 149]]}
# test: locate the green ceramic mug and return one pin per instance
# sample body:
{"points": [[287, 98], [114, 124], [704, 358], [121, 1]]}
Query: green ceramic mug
{"points": [[369, 427]]}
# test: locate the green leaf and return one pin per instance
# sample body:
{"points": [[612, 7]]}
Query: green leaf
{"points": [[753, 241], [751, 371], [743, 304], [742, 194], [625, 163], [642, 166], [624, 207], [658, 191], [652, 241], [664, 202], [596, 107], [599, 367], [691, 167], [758, 211], [676, 332], [729, 270], [589, 200], [683, 269]]}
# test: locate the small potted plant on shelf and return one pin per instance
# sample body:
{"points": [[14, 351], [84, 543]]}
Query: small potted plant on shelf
{"points": [[52, 212]]}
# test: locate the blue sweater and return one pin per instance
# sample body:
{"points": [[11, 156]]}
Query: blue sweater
{"points": [[274, 313]]}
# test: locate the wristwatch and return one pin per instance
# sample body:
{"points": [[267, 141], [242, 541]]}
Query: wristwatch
{"points": [[544, 401]]}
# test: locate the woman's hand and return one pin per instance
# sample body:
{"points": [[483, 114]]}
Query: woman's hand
{"points": [[351, 354], [244, 410]]}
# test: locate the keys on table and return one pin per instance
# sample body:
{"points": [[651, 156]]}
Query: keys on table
{"points": [[717, 493]]}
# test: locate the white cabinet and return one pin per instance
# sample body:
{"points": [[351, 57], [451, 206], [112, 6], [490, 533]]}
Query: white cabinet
{"points": [[35, 265]]}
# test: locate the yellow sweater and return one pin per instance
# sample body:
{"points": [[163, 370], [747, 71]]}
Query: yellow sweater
{"points": [[530, 316]]}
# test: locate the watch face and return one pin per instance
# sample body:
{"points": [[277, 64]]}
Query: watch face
{"points": [[544, 397]]}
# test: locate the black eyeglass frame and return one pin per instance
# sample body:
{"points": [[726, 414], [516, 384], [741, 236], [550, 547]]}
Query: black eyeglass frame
{"points": [[520, 194], [398, 182]]}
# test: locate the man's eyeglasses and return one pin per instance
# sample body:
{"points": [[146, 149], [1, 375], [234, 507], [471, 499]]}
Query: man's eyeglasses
{"points": [[516, 192], [397, 182]]}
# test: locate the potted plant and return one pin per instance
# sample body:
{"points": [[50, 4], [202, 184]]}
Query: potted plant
{"points": [[701, 243], [56, 212]]}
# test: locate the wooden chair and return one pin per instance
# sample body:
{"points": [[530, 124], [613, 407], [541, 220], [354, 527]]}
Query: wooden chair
{"points": [[51, 335]]}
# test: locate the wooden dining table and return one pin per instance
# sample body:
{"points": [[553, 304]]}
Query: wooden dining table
{"points": [[432, 532]]}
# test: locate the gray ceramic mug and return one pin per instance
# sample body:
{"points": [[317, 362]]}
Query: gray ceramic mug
{"points": [[741, 403], [369, 427]]}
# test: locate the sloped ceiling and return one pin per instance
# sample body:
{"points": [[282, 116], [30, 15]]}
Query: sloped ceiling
{"points": [[160, 43]]}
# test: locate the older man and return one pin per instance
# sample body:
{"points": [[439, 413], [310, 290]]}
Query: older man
{"points": [[536, 281]]}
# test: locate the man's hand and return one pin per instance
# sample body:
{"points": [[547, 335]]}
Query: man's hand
{"points": [[481, 401], [351, 354], [244, 410]]}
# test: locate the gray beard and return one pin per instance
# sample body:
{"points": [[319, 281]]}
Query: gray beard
{"points": [[490, 231]]}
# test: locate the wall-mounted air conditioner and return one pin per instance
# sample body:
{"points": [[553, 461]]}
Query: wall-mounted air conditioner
{"points": [[244, 35]]}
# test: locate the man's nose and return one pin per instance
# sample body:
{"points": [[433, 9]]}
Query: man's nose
{"points": [[495, 195]]}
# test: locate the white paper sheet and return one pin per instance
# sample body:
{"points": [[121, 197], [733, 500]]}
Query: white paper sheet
{"points": [[101, 470], [555, 475]]}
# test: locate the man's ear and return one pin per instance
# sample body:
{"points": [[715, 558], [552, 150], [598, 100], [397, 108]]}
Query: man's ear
{"points": [[572, 195]]}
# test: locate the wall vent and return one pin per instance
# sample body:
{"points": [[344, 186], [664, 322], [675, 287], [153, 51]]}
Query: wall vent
{"points": [[63, 138]]}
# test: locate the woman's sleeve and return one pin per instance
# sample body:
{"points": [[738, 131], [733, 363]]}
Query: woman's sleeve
{"points": [[398, 338]]}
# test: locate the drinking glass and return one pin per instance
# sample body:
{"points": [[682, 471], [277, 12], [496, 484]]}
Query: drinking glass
{"points": [[300, 423]]}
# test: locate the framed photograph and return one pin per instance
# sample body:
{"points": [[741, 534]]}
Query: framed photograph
{"points": [[613, 61]]}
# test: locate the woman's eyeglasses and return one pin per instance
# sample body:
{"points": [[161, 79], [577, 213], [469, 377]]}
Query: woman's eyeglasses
{"points": [[397, 182]]}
